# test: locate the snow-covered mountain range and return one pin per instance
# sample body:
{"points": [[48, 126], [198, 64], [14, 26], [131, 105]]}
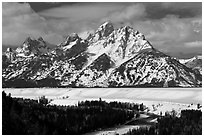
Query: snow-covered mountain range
{"points": [[106, 58]]}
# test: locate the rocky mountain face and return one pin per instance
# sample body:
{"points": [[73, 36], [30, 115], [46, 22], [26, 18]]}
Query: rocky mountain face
{"points": [[106, 58], [154, 68], [32, 47]]}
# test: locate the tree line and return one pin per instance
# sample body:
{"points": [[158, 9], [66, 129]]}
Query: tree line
{"points": [[29, 117]]}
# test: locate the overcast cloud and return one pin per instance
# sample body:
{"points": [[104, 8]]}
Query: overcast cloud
{"points": [[175, 28]]}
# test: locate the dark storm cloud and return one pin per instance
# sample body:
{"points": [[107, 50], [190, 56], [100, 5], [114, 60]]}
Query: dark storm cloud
{"points": [[40, 6], [155, 10], [171, 27], [182, 10]]}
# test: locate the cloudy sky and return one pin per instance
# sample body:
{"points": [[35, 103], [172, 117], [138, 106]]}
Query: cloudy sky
{"points": [[174, 28]]}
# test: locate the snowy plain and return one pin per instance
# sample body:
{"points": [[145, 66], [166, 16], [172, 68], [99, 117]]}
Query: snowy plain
{"points": [[176, 95], [165, 99]]}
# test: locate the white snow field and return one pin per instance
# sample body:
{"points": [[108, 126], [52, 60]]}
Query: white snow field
{"points": [[156, 99], [176, 95]]}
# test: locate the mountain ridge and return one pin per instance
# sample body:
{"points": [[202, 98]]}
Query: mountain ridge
{"points": [[106, 58]]}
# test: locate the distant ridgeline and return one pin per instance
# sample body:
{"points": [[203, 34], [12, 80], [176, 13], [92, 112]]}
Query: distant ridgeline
{"points": [[30, 117], [106, 58]]}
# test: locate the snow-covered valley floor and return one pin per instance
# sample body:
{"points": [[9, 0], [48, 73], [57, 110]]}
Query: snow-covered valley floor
{"points": [[178, 95], [157, 100], [163, 99]]}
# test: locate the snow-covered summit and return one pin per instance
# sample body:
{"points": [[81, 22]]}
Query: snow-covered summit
{"points": [[105, 29], [120, 44]]}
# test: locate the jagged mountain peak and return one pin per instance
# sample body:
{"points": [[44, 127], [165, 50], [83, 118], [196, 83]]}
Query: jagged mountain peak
{"points": [[28, 39], [30, 42], [106, 27], [31, 47], [72, 46], [103, 31], [74, 37], [129, 31], [121, 44], [28, 45], [41, 39], [107, 58], [126, 28], [9, 50]]}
